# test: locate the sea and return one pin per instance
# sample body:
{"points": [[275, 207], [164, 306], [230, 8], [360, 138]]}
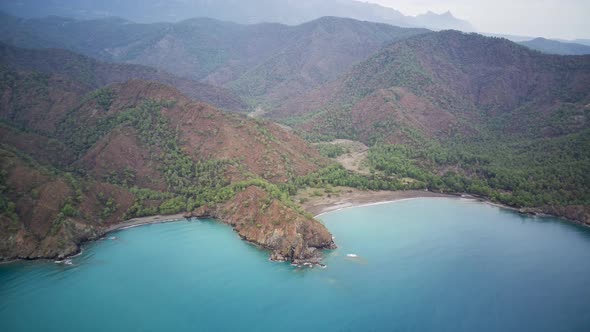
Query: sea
{"points": [[428, 264]]}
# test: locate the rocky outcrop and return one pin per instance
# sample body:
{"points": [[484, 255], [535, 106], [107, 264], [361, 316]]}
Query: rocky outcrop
{"points": [[290, 235], [63, 242]]}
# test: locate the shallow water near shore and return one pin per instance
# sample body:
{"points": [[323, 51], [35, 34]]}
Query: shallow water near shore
{"points": [[417, 265]]}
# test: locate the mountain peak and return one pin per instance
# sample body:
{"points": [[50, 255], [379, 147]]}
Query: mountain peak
{"points": [[446, 14], [245, 12], [550, 46]]}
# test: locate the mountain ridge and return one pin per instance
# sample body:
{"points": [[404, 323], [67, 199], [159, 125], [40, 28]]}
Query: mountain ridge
{"points": [[252, 11], [96, 74], [459, 62], [556, 47], [264, 63]]}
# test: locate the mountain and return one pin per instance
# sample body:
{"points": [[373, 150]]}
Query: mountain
{"points": [[76, 161], [464, 113], [445, 21], [264, 63], [243, 11], [514, 38], [457, 79], [95, 74], [550, 46], [556, 47], [578, 41], [319, 52], [520, 39]]}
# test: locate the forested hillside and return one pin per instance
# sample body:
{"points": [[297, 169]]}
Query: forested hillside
{"points": [[445, 83], [264, 63], [93, 74], [86, 144], [75, 163], [464, 113]]}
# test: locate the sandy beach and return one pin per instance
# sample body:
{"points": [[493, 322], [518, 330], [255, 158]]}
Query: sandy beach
{"points": [[315, 205], [159, 219], [347, 197], [339, 198]]}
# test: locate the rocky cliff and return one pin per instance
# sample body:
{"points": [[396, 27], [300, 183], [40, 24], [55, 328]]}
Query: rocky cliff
{"points": [[289, 234]]}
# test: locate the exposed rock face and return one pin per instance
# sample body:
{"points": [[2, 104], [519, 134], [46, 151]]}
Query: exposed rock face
{"points": [[40, 231], [62, 242], [269, 223]]}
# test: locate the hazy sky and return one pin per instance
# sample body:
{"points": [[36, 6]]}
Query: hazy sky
{"points": [[547, 18]]}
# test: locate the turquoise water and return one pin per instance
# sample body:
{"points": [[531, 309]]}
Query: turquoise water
{"points": [[422, 265]]}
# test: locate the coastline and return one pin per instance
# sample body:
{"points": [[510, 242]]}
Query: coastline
{"points": [[352, 198], [142, 221], [356, 198], [127, 224], [319, 205]]}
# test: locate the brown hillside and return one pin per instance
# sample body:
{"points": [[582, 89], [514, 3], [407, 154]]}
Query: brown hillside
{"points": [[91, 74], [110, 166], [263, 148], [448, 82]]}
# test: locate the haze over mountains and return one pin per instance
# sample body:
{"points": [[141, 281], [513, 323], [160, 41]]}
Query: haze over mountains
{"points": [[265, 63], [94, 74], [239, 11], [270, 66]]}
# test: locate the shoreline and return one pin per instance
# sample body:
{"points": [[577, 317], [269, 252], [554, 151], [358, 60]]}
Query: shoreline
{"points": [[142, 221], [127, 224], [318, 206], [352, 206]]}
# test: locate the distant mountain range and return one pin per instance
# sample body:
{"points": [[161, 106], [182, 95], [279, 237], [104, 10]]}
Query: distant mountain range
{"points": [[556, 47], [289, 71], [239, 11], [264, 63], [92, 74], [578, 41], [549, 46]]}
